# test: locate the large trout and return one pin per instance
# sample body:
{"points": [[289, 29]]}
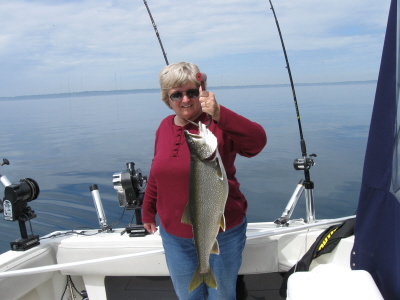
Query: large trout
{"points": [[207, 197]]}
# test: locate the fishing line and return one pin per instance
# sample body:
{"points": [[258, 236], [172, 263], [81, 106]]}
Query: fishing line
{"points": [[157, 34]]}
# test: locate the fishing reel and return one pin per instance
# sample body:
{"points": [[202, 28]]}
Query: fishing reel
{"points": [[130, 186], [16, 198], [301, 164], [14, 207]]}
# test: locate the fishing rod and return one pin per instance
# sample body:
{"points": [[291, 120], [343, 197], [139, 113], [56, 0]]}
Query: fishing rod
{"points": [[156, 30], [306, 162], [201, 77]]}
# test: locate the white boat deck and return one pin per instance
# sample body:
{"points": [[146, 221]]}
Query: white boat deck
{"points": [[111, 265]]}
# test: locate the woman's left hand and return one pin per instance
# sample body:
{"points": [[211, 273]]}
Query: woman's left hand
{"points": [[209, 104]]}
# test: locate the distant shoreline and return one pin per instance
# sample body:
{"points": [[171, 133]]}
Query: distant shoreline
{"points": [[156, 90]]}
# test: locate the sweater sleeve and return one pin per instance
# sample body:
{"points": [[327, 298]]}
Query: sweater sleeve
{"points": [[149, 209], [248, 137]]}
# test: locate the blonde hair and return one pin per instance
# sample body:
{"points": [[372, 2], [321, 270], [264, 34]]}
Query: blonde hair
{"points": [[176, 75]]}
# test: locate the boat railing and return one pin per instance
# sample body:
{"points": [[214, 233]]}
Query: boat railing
{"points": [[310, 208], [287, 212], [260, 233]]}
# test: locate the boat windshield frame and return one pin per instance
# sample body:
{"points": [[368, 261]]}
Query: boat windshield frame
{"points": [[395, 187]]}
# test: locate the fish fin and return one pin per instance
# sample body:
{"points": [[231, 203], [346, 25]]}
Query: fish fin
{"points": [[222, 223], [219, 169], [215, 248], [198, 278], [186, 216]]}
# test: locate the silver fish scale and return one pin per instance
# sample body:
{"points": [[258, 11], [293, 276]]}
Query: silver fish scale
{"points": [[208, 194], [204, 151], [207, 197]]}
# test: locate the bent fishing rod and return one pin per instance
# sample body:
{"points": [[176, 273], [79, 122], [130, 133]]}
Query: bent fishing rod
{"points": [[201, 77], [306, 162], [157, 34]]}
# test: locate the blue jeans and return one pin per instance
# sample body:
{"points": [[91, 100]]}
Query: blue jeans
{"points": [[182, 260]]}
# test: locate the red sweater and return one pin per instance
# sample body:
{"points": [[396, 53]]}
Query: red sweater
{"points": [[167, 190]]}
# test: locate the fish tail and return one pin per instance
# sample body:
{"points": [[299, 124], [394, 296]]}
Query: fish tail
{"points": [[198, 278]]}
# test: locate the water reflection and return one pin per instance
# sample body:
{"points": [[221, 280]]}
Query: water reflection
{"points": [[68, 144]]}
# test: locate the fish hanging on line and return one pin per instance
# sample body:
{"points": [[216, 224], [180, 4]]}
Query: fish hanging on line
{"points": [[207, 197]]}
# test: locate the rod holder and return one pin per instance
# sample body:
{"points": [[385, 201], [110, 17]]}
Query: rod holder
{"points": [[287, 213], [310, 208], [4, 180], [99, 208]]}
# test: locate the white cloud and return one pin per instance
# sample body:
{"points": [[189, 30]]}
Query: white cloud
{"points": [[46, 46]]}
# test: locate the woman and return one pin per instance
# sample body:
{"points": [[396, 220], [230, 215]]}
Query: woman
{"points": [[167, 190]]}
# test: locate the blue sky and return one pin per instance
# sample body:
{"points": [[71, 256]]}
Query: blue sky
{"points": [[59, 46]]}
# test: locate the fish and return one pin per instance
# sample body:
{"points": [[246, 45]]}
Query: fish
{"points": [[208, 193]]}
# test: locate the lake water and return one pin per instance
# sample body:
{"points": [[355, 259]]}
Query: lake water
{"points": [[68, 144]]}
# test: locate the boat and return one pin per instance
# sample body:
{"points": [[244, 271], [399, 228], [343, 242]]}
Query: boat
{"points": [[125, 263]]}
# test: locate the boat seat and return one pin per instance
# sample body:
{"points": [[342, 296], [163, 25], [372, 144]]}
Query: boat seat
{"points": [[332, 282]]}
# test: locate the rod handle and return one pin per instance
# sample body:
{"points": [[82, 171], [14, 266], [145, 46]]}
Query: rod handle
{"points": [[202, 77]]}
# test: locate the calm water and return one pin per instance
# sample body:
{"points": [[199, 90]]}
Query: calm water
{"points": [[68, 144]]}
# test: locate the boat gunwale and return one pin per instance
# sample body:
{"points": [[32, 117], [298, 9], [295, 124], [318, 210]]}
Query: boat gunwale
{"points": [[261, 232]]}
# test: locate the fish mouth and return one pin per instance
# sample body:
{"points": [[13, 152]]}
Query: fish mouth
{"points": [[194, 139], [193, 135], [204, 144]]}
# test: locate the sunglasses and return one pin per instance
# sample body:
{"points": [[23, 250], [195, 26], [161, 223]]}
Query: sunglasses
{"points": [[178, 95]]}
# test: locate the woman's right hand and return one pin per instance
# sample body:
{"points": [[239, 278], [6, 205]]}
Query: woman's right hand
{"points": [[150, 227]]}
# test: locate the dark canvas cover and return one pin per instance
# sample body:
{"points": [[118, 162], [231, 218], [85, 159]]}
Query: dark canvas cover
{"points": [[377, 228]]}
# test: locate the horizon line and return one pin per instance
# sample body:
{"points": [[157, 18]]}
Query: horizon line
{"points": [[153, 90]]}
